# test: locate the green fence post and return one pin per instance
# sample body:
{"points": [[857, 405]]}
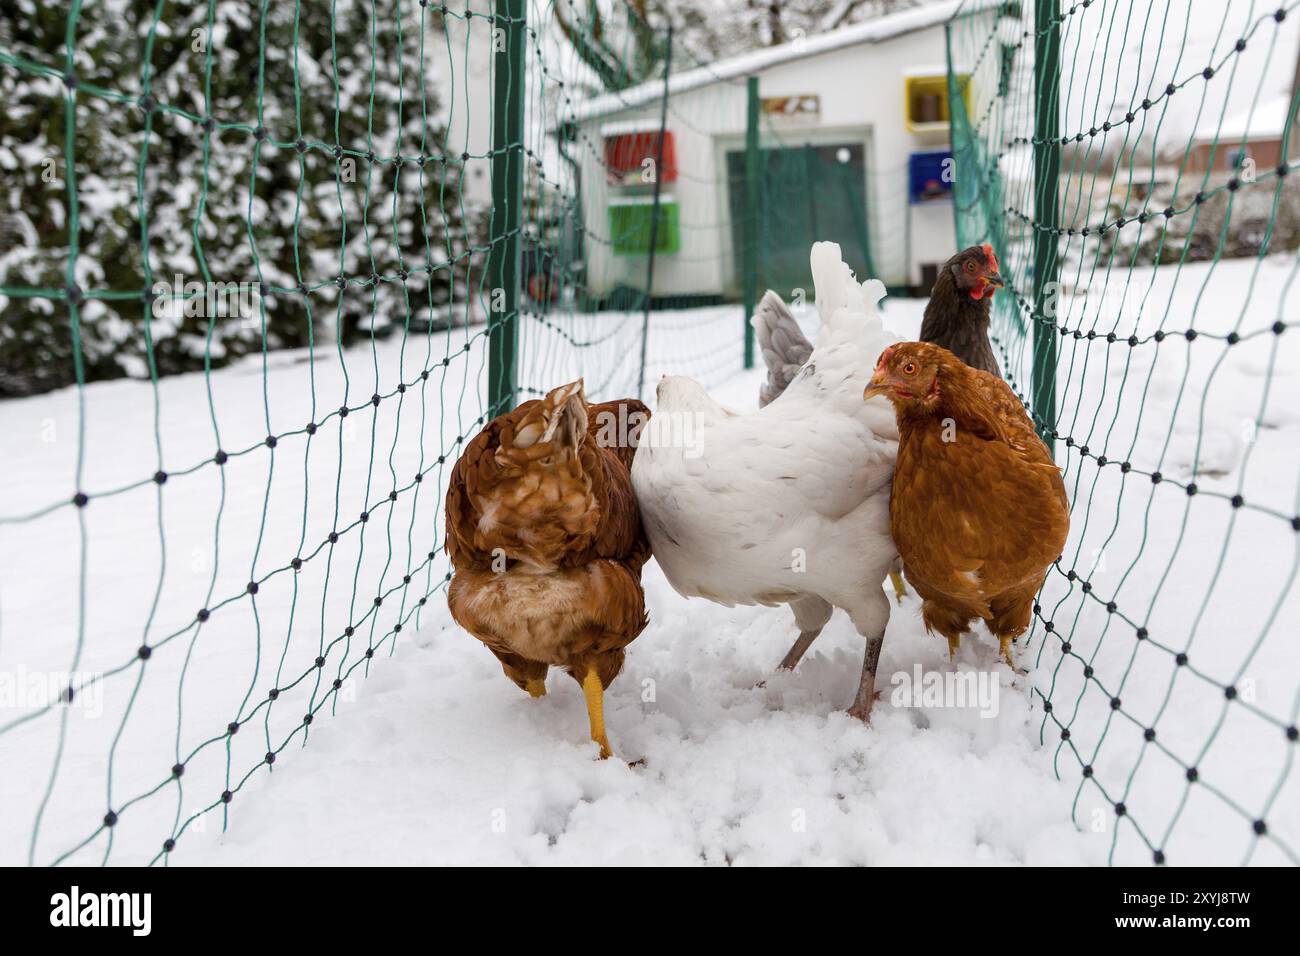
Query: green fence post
{"points": [[1047, 184], [753, 216], [503, 265], [956, 129], [654, 216]]}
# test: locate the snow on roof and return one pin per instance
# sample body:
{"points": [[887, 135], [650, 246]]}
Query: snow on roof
{"points": [[937, 69], [747, 64], [629, 126], [1265, 121]]}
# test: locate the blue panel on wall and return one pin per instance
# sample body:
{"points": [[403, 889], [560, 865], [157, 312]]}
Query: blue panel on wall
{"points": [[929, 176]]}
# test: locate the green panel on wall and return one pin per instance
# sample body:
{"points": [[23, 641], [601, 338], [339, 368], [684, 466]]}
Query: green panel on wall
{"points": [[629, 228]]}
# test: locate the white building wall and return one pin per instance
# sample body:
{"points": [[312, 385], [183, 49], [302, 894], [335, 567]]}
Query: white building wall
{"points": [[464, 60], [862, 101], [699, 120]]}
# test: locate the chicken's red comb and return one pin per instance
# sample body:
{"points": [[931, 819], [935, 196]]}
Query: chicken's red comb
{"points": [[989, 257], [884, 357]]}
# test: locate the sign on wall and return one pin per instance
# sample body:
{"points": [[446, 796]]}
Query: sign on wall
{"points": [[803, 106]]}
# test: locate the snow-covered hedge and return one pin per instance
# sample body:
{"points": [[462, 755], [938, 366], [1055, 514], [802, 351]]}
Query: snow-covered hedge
{"points": [[224, 169]]}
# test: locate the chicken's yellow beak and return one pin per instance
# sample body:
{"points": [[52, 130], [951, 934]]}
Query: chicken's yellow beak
{"points": [[876, 387]]}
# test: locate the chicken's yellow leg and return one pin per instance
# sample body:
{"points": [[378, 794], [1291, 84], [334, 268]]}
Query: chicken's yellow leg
{"points": [[536, 687], [1006, 651], [595, 694], [900, 591]]}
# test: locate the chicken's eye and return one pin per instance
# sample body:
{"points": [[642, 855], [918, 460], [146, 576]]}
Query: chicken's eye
{"points": [[909, 368], [970, 265]]}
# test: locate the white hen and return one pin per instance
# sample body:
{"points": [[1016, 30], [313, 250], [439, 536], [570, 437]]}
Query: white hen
{"points": [[789, 504]]}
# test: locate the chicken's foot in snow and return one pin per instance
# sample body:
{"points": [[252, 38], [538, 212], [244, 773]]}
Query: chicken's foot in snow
{"points": [[861, 708], [1006, 651], [536, 687], [798, 649], [810, 615], [594, 691], [900, 589]]}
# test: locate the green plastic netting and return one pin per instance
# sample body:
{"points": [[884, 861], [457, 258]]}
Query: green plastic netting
{"points": [[330, 243], [426, 213], [1133, 164], [286, 190]]}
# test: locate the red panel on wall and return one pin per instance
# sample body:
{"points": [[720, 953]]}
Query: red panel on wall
{"points": [[626, 155]]}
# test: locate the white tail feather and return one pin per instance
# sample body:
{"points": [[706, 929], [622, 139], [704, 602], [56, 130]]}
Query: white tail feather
{"points": [[846, 307]]}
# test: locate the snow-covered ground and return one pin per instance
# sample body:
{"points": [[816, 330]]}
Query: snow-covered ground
{"points": [[434, 757], [1188, 572]]}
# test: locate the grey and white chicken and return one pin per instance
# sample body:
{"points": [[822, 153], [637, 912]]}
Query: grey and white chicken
{"points": [[788, 504]]}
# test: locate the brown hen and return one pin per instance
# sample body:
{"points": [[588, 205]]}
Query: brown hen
{"points": [[546, 543], [978, 509]]}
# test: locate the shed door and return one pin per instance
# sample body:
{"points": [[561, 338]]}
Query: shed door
{"points": [[808, 194]]}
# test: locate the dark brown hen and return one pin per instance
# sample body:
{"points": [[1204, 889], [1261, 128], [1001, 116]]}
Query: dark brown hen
{"points": [[956, 318], [957, 315]]}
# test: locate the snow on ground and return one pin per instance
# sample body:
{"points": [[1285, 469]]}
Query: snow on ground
{"points": [[436, 758], [1188, 574]]}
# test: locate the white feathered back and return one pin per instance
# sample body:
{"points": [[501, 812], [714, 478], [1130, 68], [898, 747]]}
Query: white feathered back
{"points": [[848, 308], [727, 498], [849, 342]]}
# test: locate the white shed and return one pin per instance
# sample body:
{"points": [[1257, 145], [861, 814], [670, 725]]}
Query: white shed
{"points": [[863, 110]]}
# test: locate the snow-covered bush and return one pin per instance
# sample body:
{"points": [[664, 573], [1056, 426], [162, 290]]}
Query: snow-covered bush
{"points": [[1225, 224], [256, 148]]}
